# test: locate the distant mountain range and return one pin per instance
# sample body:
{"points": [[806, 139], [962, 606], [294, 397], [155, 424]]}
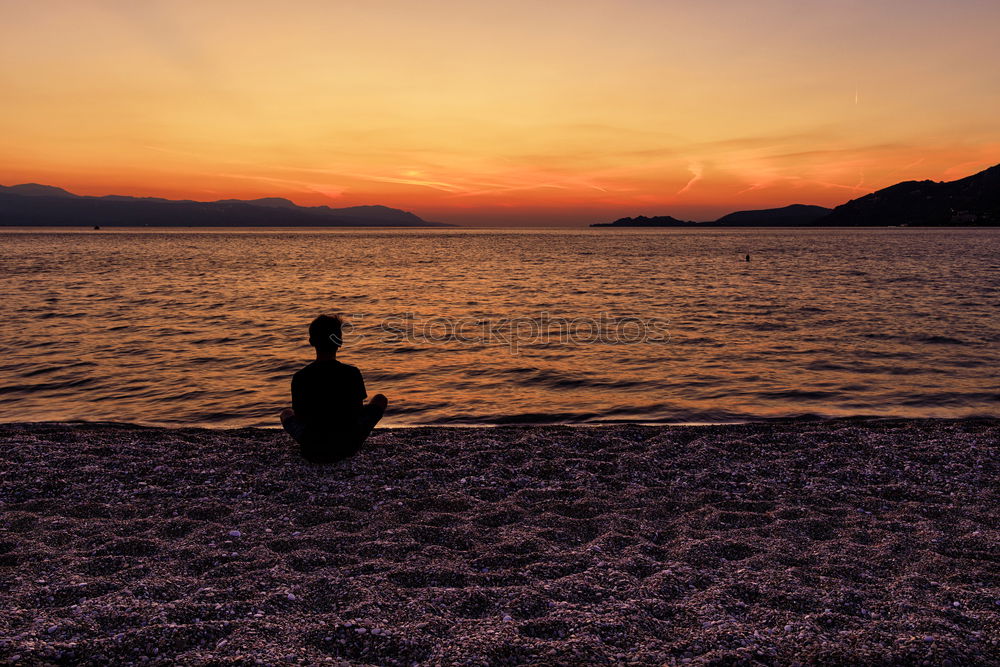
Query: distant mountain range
{"points": [[34, 204], [796, 215], [971, 201]]}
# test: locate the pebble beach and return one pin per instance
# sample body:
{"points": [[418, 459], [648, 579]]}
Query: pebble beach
{"points": [[810, 542]]}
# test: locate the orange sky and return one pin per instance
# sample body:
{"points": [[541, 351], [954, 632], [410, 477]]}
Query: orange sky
{"points": [[499, 112]]}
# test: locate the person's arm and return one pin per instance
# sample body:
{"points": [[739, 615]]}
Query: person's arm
{"points": [[297, 398], [362, 392]]}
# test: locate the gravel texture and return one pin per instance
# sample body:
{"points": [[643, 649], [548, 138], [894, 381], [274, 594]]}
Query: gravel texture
{"points": [[836, 542]]}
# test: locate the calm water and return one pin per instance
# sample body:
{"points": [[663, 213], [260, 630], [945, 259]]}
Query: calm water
{"points": [[206, 327]]}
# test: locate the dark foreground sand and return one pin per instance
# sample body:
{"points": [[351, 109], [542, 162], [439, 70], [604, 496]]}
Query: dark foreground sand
{"points": [[828, 542]]}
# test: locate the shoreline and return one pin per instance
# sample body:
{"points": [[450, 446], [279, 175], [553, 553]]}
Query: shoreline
{"points": [[821, 541], [748, 421], [451, 227]]}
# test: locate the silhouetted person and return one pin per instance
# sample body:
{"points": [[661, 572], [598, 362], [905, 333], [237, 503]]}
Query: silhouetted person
{"points": [[748, 258], [328, 417]]}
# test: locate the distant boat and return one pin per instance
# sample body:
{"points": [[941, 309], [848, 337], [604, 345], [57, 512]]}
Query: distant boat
{"points": [[97, 226]]}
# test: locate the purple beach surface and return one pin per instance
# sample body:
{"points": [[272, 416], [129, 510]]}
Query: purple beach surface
{"points": [[825, 542]]}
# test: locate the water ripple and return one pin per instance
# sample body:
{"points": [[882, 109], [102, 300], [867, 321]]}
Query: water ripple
{"points": [[174, 327]]}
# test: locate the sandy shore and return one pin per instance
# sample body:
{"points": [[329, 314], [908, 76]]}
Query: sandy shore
{"points": [[825, 542]]}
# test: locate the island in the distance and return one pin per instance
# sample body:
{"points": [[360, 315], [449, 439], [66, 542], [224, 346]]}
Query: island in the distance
{"points": [[792, 216], [970, 201], [32, 204]]}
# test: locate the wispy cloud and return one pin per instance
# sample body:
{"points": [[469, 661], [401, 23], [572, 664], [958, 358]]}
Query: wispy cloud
{"points": [[697, 171]]}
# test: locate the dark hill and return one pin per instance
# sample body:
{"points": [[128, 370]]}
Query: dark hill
{"points": [[33, 204], [35, 190], [974, 200], [792, 216]]}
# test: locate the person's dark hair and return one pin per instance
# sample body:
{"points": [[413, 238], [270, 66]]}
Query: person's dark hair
{"points": [[326, 332]]}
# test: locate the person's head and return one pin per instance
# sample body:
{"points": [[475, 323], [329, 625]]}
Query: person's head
{"points": [[326, 333]]}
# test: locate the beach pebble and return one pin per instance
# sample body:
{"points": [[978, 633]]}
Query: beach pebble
{"points": [[507, 618], [235, 533], [291, 596]]}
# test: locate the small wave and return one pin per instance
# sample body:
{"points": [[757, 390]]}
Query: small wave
{"points": [[697, 340], [828, 366], [769, 326], [560, 380], [56, 369], [964, 399], [522, 418], [940, 340], [46, 386], [66, 316], [416, 408], [877, 335], [798, 394]]}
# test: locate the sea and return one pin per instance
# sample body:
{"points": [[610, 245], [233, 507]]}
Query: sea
{"points": [[205, 327]]}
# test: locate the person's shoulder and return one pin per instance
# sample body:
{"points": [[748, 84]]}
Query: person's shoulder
{"points": [[308, 369], [349, 369]]}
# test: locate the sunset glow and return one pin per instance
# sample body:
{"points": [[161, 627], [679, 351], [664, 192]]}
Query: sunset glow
{"points": [[499, 113]]}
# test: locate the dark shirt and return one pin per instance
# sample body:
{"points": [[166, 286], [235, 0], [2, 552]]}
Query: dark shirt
{"points": [[327, 397]]}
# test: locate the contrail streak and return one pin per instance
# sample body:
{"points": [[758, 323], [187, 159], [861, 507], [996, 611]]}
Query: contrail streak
{"points": [[696, 171]]}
